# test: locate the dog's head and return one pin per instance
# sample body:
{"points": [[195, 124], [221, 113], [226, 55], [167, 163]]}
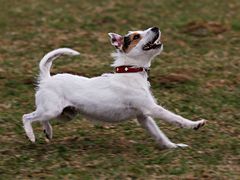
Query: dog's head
{"points": [[138, 43]]}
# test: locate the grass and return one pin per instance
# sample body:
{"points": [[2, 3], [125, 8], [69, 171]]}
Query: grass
{"points": [[196, 76]]}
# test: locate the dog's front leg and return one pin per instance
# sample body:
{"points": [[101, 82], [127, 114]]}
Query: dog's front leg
{"points": [[150, 125], [159, 112]]}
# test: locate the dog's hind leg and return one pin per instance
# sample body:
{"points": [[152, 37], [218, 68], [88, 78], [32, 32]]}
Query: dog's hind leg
{"points": [[27, 120], [39, 115], [67, 114], [47, 129], [150, 125]]}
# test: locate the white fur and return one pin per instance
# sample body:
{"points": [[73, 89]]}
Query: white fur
{"points": [[108, 98]]}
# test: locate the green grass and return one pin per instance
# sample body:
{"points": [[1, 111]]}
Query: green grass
{"points": [[196, 76]]}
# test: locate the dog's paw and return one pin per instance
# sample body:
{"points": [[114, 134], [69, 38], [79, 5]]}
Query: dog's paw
{"points": [[181, 145], [28, 130], [48, 135], [173, 146], [199, 124], [30, 136]]}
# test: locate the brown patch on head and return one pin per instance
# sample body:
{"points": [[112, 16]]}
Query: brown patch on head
{"points": [[131, 41]]}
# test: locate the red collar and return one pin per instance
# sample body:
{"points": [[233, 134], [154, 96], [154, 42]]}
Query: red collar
{"points": [[129, 69]]}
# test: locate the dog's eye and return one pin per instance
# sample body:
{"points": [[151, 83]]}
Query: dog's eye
{"points": [[137, 36]]}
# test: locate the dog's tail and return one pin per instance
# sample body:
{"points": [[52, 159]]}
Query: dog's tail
{"points": [[46, 62]]}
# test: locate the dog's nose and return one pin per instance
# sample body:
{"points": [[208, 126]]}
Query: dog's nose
{"points": [[155, 29]]}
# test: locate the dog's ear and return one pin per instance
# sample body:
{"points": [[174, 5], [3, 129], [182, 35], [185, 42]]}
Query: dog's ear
{"points": [[116, 40]]}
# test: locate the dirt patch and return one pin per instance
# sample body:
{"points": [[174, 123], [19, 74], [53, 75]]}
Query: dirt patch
{"points": [[203, 29], [219, 83], [174, 78]]}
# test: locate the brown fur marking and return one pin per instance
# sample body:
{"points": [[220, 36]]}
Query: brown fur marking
{"points": [[133, 43]]}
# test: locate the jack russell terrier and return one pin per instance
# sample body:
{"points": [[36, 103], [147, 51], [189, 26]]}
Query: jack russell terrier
{"points": [[116, 97]]}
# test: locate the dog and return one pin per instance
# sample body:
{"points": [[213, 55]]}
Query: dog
{"points": [[116, 97]]}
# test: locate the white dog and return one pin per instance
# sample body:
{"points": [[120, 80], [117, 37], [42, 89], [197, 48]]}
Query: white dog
{"points": [[115, 97]]}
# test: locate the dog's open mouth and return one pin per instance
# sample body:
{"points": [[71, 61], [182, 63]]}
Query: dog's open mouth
{"points": [[153, 44]]}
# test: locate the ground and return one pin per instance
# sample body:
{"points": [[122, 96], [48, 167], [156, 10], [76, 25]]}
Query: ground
{"points": [[196, 76]]}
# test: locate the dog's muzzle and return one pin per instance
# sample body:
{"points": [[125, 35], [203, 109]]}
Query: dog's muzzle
{"points": [[155, 42]]}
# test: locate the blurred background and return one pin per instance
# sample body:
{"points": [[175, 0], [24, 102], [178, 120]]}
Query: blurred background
{"points": [[196, 76]]}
